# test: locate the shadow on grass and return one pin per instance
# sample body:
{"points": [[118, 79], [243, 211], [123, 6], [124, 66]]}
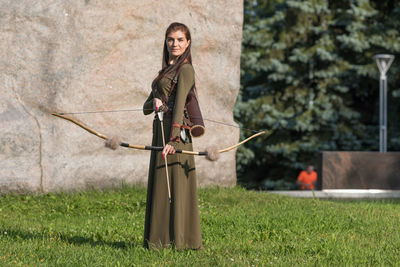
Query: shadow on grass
{"points": [[74, 240]]}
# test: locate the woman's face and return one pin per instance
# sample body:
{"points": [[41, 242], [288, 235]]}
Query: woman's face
{"points": [[176, 43]]}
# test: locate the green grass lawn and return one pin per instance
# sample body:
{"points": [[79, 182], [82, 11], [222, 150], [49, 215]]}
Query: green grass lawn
{"points": [[240, 228]]}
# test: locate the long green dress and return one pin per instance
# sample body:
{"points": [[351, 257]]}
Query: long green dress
{"points": [[178, 223]]}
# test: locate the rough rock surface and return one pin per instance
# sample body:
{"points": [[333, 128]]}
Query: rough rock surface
{"points": [[70, 56]]}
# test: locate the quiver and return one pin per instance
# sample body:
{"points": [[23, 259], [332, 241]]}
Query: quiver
{"points": [[195, 119]]}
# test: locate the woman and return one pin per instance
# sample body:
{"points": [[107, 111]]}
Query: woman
{"points": [[177, 223]]}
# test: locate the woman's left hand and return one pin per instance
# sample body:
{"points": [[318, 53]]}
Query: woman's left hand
{"points": [[157, 103], [168, 149]]}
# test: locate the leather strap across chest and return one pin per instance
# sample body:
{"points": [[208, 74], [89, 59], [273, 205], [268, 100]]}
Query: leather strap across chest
{"points": [[171, 90]]}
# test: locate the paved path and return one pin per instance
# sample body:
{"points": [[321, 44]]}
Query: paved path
{"points": [[343, 193]]}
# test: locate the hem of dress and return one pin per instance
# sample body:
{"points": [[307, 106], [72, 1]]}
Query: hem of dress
{"points": [[154, 247]]}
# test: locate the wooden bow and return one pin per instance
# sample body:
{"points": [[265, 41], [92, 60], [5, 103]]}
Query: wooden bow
{"points": [[206, 153]]}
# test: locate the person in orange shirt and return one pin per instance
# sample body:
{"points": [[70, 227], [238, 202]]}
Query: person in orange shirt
{"points": [[307, 179]]}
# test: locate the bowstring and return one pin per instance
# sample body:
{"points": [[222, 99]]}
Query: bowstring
{"points": [[103, 111], [141, 109], [231, 125]]}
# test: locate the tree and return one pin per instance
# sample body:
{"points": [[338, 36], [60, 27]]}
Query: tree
{"points": [[308, 76]]}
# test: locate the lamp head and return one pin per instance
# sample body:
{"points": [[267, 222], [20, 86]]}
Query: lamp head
{"points": [[384, 61]]}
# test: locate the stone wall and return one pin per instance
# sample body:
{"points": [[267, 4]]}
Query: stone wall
{"points": [[71, 56], [359, 170]]}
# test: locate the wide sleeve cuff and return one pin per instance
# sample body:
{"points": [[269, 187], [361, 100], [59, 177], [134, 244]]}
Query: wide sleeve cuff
{"points": [[148, 105]]}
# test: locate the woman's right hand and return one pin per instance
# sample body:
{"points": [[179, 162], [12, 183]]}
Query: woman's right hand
{"points": [[157, 103], [168, 150]]}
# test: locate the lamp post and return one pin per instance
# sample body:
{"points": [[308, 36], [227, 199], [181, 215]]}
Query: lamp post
{"points": [[383, 61]]}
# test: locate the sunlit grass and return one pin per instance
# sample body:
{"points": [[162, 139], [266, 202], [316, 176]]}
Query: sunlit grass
{"points": [[243, 228]]}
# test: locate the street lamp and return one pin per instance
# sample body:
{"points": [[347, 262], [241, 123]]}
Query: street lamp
{"points": [[383, 61]]}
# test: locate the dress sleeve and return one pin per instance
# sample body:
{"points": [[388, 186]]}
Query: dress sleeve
{"points": [[185, 83], [148, 105]]}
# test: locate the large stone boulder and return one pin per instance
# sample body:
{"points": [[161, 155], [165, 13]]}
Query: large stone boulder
{"points": [[73, 56]]}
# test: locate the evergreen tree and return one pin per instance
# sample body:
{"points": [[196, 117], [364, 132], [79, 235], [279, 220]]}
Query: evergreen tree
{"points": [[309, 77]]}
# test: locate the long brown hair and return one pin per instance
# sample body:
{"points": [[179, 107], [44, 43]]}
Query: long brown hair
{"points": [[186, 57]]}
